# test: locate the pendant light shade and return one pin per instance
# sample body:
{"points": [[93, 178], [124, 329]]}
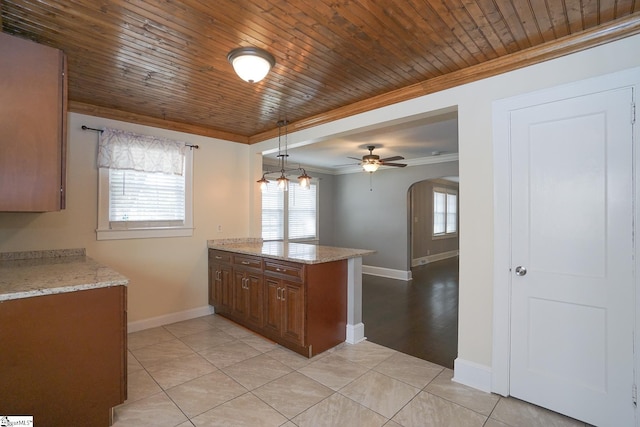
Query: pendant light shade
{"points": [[283, 183], [304, 180], [251, 64], [263, 183]]}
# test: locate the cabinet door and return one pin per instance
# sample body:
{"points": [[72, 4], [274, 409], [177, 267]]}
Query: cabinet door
{"points": [[292, 301], [32, 132], [220, 295], [255, 303], [226, 292], [240, 296], [273, 308]]}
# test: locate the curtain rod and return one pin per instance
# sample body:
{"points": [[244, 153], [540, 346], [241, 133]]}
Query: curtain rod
{"points": [[83, 127]]}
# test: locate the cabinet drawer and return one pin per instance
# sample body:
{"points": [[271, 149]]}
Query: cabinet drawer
{"points": [[220, 256], [247, 261], [283, 269]]}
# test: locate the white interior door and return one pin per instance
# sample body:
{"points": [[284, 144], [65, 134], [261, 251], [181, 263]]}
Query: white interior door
{"points": [[572, 301]]}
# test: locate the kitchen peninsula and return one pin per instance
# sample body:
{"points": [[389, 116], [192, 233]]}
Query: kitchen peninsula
{"points": [[306, 297], [63, 334]]}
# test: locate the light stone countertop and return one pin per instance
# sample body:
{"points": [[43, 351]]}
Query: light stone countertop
{"points": [[30, 274], [296, 252]]}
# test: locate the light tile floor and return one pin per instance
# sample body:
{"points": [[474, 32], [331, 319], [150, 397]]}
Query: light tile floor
{"points": [[211, 372]]}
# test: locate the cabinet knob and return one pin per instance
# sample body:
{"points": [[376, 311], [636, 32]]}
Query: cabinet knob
{"points": [[246, 263], [283, 270], [282, 294], [218, 257]]}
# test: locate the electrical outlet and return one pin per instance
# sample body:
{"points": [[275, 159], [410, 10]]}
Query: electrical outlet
{"points": [[219, 228]]}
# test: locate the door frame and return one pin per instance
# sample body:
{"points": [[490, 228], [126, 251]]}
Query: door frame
{"points": [[500, 372]]}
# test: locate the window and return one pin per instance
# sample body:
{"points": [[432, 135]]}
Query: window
{"points": [[152, 202], [290, 215], [445, 212]]}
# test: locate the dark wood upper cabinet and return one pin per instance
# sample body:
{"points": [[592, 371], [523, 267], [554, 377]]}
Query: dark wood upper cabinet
{"points": [[33, 98]]}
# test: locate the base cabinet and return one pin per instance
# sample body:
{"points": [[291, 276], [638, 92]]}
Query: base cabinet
{"points": [[300, 306], [64, 357]]}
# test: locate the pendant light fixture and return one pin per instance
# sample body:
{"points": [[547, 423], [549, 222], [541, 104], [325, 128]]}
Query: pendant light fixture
{"points": [[251, 64], [283, 182]]}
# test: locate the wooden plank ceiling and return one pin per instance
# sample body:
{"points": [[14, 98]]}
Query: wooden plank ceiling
{"points": [[164, 62]]}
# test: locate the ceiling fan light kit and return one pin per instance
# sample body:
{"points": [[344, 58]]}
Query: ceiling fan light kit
{"points": [[283, 182], [371, 162], [251, 64], [370, 166]]}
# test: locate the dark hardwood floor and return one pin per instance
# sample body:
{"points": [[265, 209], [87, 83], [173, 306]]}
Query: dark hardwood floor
{"points": [[418, 317]]}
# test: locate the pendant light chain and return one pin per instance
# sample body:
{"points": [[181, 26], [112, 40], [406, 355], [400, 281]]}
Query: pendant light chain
{"points": [[283, 181]]}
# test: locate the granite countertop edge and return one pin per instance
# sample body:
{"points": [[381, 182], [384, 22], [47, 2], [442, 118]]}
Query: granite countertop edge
{"points": [[50, 272], [60, 290], [255, 247]]}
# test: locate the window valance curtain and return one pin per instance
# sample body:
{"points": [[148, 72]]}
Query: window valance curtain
{"points": [[118, 149]]}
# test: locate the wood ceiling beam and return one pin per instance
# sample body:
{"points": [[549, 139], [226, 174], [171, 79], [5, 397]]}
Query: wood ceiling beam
{"points": [[607, 33]]}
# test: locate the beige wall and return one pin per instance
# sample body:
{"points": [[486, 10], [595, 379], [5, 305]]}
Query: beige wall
{"points": [[167, 275]]}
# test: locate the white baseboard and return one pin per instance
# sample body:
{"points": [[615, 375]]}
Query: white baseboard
{"points": [[386, 272], [433, 258], [472, 374], [355, 333], [167, 319]]}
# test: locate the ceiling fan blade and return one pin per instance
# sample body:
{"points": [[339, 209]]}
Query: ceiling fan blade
{"points": [[355, 158], [398, 165], [391, 159]]}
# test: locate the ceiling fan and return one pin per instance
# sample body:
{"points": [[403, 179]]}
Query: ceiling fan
{"points": [[371, 162]]}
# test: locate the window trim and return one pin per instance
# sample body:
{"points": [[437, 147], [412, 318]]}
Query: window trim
{"points": [[105, 232], [444, 235]]}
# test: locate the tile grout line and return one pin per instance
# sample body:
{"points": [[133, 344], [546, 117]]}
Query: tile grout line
{"points": [[294, 369]]}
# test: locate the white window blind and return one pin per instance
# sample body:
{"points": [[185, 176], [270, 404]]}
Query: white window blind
{"points": [[445, 212], [302, 212], [439, 212], [272, 213], [146, 199], [452, 213], [290, 215]]}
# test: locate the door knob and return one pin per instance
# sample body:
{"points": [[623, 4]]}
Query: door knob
{"points": [[520, 271]]}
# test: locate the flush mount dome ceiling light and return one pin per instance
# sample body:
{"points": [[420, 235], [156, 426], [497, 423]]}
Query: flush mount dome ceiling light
{"points": [[251, 64]]}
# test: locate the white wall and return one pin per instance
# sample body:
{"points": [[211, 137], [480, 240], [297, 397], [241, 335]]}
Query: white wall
{"points": [[474, 104], [167, 275]]}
